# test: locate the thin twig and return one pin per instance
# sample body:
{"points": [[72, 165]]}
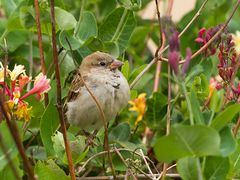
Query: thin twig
{"points": [[168, 122], [111, 151], [8, 158], [103, 117], [145, 161], [160, 47], [59, 93], [40, 46], [30, 59], [160, 29], [164, 49], [170, 167], [236, 128], [125, 163], [216, 34], [139, 176]]}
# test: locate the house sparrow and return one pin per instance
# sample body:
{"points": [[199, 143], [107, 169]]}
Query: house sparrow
{"points": [[101, 75]]}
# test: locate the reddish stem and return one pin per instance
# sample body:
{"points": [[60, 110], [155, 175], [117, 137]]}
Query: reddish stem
{"points": [[40, 46], [59, 93]]}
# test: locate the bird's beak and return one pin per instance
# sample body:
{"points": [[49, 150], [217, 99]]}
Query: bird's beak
{"points": [[115, 64]]}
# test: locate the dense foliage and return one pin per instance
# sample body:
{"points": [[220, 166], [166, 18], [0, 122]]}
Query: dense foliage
{"points": [[188, 122]]}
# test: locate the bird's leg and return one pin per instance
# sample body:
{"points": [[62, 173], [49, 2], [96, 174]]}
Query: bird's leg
{"points": [[90, 138]]}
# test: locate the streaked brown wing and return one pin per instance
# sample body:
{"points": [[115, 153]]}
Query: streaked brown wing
{"points": [[75, 88]]}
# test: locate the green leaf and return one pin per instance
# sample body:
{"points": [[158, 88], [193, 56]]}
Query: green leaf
{"points": [[74, 42], [185, 141], [135, 72], [117, 28], [225, 116], [228, 143], [48, 126], [85, 31], [112, 48], [216, 168], [156, 109], [77, 146], [49, 170], [197, 70], [217, 100], [125, 69], [120, 133], [26, 17], [188, 168], [36, 152], [64, 19], [235, 161], [200, 86], [87, 27], [58, 145], [9, 5], [9, 143], [15, 39], [7, 173], [198, 117]]}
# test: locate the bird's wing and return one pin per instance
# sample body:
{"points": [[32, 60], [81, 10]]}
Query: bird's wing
{"points": [[75, 88]]}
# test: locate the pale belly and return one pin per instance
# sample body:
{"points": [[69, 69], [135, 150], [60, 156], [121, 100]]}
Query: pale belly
{"points": [[84, 112]]}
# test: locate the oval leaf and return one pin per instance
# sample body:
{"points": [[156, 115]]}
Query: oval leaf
{"points": [[86, 28], [185, 141], [64, 19], [118, 27], [225, 116], [48, 126]]}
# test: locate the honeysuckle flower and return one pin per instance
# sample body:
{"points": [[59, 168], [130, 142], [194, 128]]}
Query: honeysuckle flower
{"points": [[212, 86], [18, 69], [41, 86], [10, 104], [16, 81], [139, 106], [16, 95], [23, 80], [23, 111], [2, 72], [236, 40]]}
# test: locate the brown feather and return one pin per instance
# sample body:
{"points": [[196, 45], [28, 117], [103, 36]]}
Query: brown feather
{"points": [[76, 85]]}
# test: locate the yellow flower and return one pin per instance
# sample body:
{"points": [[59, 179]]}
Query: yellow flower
{"points": [[236, 40], [10, 104], [23, 111], [212, 86], [139, 105]]}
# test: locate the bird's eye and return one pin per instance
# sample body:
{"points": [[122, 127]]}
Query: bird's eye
{"points": [[102, 63]]}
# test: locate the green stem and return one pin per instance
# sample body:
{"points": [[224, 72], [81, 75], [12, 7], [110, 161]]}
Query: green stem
{"points": [[79, 19], [120, 25], [200, 176], [188, 103], [211, 118], [4, 35]]}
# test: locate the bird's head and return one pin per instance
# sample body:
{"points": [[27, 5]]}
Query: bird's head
{"points": [[100, 61]]}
